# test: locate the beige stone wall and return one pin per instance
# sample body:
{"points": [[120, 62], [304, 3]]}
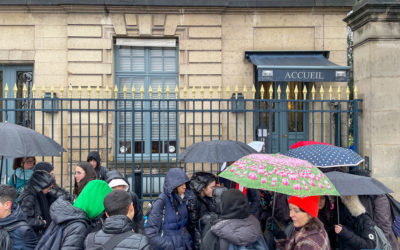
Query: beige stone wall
{"points": [[73, 47]]}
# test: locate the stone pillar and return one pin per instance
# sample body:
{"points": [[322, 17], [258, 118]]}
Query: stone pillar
{"points": [[376, 27]]}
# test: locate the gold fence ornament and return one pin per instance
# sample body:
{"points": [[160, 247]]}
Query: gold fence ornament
{"points": [[150, 92], [271, 91], [70, 91], [185, 92], [219, 91], [287, 91], [89, 91], [313, 92], [348, 93], [108, 95], [236, 91], [34, 91], [62, 91], [193, 92], [339, 91], [330, 92], [202, 92], [6, 90], [43, 90], [159, 91], [244, 92], [98, 91], [228, 91], [167, 92], [210, 90], [304, 92], [124, 90], [133, 91], [321, 92], [52, 91], [296, 92], [24, 90], [253, 90], [79, 91], [176, 92], [355, 92], [141, 92], [116, 92], [279, 92], [262, 92]]}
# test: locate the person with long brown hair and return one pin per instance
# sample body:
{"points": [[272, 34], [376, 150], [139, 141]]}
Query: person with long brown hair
{"points": [[84, 173], [23, 170]]}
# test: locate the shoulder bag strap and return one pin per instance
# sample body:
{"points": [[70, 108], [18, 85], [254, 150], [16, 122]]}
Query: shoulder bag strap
{"points": [[115, 239]]}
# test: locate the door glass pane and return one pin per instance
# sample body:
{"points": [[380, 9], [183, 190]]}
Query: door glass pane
{"points": [[295, 116], [267, 117]]}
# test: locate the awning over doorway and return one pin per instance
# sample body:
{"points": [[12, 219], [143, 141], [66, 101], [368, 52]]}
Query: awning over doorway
{"points": [[297, 66]]}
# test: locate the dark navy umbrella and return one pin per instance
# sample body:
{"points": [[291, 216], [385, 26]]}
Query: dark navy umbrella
{"points": [[326, 156], [350, 184], [216, 151]]}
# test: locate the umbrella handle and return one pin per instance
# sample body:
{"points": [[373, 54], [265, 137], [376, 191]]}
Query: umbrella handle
{"points": [[273, 205], [1, 169], [337, 205]]}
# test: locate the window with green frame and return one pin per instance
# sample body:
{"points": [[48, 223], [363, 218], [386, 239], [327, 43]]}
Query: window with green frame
{"points": [[146, 66]]}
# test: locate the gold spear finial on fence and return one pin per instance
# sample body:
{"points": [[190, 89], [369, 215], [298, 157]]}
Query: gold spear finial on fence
{"points": [[133, 90], [348, 93], [279, 92], [321, 92], [339, 91], [176, 92], [305, 92], [15, 89], [202, 92], [296, 92], [313, 92], [253, 90], [108, 95], [210, 90], [271, 91], [62, 91], [150, 92], [287, 92], [236, 91], [116, 91], [355, 92], [43, 91], [70, 91], [159, 91], [244, 92], [34, 91], [6, 91], [79, 91], [185, 92], [219, 90], [24, 90], [98, 91], [193, 92], [125, 91], [89, 91], [228, 91], [52, 91], [262, 91], [167, 92], [141, 92], [330, 92]]}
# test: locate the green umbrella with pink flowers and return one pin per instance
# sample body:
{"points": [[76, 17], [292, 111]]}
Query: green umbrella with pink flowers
{"points": [[279, 173]]}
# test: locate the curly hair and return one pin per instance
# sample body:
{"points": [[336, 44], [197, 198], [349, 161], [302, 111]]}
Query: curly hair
{"points": [[90, 174]]}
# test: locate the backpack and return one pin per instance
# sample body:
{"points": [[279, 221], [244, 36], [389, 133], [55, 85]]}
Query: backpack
{"points": [[52, 237], [146, 216], [381, 241], [260, 244], [109, 244], [395, 208], [6, 242]]}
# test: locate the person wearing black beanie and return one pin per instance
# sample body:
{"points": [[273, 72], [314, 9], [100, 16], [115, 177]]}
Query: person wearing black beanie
{"points": [[44, 166], [236, 226]]}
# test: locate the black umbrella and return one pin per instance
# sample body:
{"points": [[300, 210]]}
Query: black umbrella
{"points": [[350, 184], [216, 151], [19, 141]]}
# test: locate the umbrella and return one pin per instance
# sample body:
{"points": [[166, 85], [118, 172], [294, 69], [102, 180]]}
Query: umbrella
{"points": [[326, 156], [215, 151], [350, 184], [279, 173], [306, 143], [19, 141]]}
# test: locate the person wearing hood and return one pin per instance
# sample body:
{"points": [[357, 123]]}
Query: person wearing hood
{"points": [[75, 219], [309, 232], [22, 173], [236, 227], [202, 184], [94, 159], [357, 229], [117, 182], [22, 236], [166, 226], [34, 203], [56, 191]]}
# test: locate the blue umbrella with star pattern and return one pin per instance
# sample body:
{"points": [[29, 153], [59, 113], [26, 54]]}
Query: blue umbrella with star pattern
{"points": [[326, 156]]}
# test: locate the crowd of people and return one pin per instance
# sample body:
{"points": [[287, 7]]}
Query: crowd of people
{"points": [[203, 212]]}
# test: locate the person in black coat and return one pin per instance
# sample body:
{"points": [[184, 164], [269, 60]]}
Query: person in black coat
{"points": [[34, 203], [94, 159], [23, 237], [202, 184], [357, 229], [116, 181], [119, 210]]}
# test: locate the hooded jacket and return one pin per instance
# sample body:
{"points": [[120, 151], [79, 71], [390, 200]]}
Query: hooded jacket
{"points": [[23, 237], [358, 228], [101, 172], [170, 233], [138, 220], [236, 225], [30, 203], [119, 224]]}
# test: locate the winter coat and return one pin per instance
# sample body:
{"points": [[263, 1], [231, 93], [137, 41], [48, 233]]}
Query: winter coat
{"points": [[56, 192], [20, 178], [300, 239], [101, 172], [239, 232], [119, 224], [378, 207], [23, 237], [29, 201], [357, 226], [199, 206], [171, 232], [75, 224], [138, 221]]}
